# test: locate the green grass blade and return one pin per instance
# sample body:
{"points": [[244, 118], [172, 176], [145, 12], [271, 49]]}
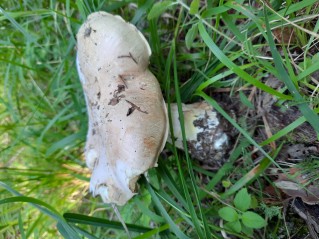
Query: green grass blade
{"points": [[170, 201], [287, 129], [21, 229], [53, 121], [284, 131], [42, 206], [63, 227], [154, 232], [53, 212], [220, 76], [232, 66], [146, 211], [63, 231], [308, 71], [250, 176], [214, 11], [232, 27], [171, 184], [69, 140], [311, 117], [158, 204], [197, 223], [85, 233], [237, 126], [18, 26], [226, 168], [100, 222]]}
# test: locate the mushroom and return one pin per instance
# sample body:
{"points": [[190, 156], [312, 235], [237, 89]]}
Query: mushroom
{"points": [[127, 114], [205, 132], [128, 124]]}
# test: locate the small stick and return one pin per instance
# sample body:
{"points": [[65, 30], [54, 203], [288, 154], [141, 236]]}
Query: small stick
{"points": [[129, 56]]}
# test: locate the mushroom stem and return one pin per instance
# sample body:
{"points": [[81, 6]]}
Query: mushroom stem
{"points": [[205, 132]]}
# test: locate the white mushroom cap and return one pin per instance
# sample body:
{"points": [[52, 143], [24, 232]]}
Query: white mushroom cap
{"points": [[127, 113]]}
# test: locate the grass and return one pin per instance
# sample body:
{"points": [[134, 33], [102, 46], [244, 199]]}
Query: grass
{"points": [[199, 50]]}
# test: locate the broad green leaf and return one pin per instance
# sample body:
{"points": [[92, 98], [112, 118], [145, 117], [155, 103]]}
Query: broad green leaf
{"points": [[254, 202], [190, 36], [158, 9], [228, 214], [253, 220], [234, 226], [242, 200], [194, 7], [247, 230]]}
